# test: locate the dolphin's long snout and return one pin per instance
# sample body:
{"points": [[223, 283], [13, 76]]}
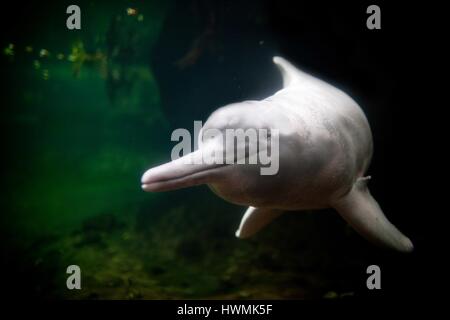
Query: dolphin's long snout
{"points": [[184, 172]]}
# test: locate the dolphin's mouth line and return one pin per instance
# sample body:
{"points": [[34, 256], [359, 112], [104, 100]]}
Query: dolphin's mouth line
{"points": [[166, 177], [187, 180]]}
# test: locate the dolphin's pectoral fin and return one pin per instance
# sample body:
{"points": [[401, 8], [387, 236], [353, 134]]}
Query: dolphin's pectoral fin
{"points": [[364, 214], [254, 220]]}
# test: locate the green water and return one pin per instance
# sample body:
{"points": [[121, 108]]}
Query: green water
{"points": [[78, 152]]}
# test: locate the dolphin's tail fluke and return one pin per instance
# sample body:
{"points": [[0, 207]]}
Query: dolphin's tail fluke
{"points": [[364, 214]]}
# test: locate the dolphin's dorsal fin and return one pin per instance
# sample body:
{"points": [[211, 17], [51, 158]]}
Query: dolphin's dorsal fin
{"points": [[288, 71]]}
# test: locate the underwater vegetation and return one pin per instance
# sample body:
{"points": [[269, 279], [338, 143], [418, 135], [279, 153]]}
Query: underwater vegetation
{"points": [[144, 254]]}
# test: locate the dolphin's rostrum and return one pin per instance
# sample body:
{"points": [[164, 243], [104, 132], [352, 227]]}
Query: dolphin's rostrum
{"points": [[325, 147]]}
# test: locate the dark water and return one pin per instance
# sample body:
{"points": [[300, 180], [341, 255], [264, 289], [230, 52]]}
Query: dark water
{"points": [[85, 113]]}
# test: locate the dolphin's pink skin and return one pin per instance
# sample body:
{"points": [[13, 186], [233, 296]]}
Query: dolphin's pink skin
{"points": [[325, 147]]}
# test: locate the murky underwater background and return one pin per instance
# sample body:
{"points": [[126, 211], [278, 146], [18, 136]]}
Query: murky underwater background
{"points": [[85, 113]]}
